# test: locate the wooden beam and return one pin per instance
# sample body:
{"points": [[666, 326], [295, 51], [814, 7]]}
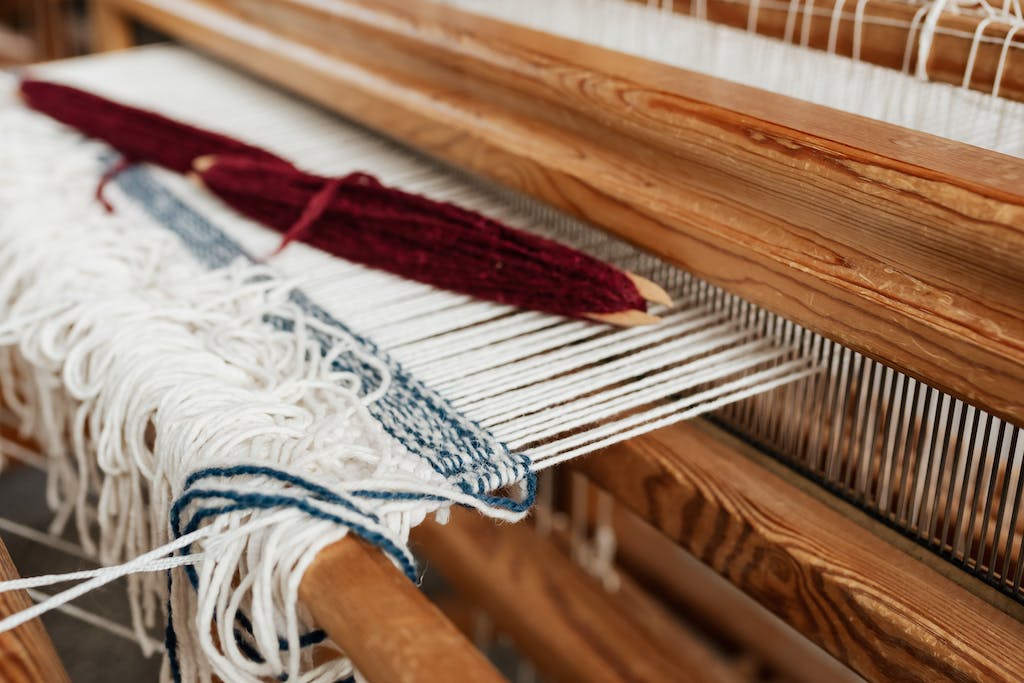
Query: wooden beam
{"points": [[569, 626], [691, 587], [51, 29], [876, 609], [884, 35], [26, 653], [384, 623], [900, 245]]}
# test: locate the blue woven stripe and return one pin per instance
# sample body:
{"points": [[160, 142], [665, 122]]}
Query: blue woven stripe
{"points": [[417, 417], [219, 502]]}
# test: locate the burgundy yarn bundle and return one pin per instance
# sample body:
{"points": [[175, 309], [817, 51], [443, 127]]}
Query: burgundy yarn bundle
{"points": [[356, 217], [137, 134]]}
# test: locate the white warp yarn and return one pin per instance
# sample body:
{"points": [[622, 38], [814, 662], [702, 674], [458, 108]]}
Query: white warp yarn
{"points": [[134, 367], [120, 300], [656, 32]]}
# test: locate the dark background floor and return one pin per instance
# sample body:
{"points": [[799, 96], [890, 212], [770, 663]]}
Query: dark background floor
{"points": [[89, 654]]}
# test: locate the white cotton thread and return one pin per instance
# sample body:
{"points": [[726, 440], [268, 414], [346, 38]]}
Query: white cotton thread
{"points": [[30, 534], [144, 369], [1003, 54], [242, 392], [153, 561], [470, 352], [927, 35]]}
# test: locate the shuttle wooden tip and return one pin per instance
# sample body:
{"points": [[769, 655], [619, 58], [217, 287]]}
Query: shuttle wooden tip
{"points": [[204, 163], [649, 290], [630, 318]]}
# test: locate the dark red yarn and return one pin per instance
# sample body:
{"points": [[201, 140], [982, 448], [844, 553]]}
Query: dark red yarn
{"points": [[356, 217], [138, 134], [421, 239]]}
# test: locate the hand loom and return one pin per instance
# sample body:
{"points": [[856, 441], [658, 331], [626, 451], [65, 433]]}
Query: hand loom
{"points": [[835, 204]]}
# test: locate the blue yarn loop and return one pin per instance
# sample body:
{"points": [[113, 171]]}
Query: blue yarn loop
{"points": [[210, 503], [410, 412], [426, 424]]}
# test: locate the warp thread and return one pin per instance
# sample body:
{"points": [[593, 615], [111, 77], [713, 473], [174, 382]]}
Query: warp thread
{"points": [[155, 387], [355, 217]]}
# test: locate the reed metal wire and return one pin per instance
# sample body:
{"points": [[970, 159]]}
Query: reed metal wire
{"points": [[944, 473]]}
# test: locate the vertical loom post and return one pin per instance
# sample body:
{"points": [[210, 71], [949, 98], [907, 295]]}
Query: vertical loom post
{"points": [[384, 623], [26, 653], [111, 28]]}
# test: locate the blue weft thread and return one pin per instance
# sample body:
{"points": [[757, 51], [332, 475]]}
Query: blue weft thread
{"points": [[236, 501], [411, 413]]}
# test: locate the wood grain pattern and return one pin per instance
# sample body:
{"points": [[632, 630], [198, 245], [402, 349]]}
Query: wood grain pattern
{"points": [[557, 615], [900, 245], [884, 35], [387, 627], [26, 653], [694, 589], [884, 614]]}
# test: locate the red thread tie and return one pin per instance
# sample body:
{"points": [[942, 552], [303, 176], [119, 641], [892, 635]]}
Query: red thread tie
{"points": [[316, 206], [119, 166]]}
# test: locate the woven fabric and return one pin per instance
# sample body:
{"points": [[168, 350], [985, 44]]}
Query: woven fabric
{"points": [[411, 412]]}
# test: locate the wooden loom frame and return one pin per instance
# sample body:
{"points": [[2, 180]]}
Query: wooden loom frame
{"points": [[897, 244], [885, 29]]}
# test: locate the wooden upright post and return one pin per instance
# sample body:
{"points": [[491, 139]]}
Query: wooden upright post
{"points": [[111, 27], [26, 653]]}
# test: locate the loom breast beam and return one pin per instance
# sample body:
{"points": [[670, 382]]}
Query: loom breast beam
{"points": [[900, 245], [886, 29], [389, 630], [26, 653]]}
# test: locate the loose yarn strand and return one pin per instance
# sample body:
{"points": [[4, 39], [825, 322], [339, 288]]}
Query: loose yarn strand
{"points": [[168, 382]]}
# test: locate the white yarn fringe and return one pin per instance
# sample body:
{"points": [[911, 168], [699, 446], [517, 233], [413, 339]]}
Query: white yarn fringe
{"points": [[193, 378], [133, 368]]}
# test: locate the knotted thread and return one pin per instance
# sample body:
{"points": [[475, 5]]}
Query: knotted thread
{"points": [[318, 203]]}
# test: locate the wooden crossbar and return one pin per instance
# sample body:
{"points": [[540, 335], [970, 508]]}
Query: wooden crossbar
{"points": [[883, 613], [900, 245], [389, 629], [886, 28]]}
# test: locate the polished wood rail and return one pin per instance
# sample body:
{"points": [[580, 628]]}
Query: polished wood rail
{"points": [[886, 28], [883, 613], [903, 246], [26, 653], [389, 629]]}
